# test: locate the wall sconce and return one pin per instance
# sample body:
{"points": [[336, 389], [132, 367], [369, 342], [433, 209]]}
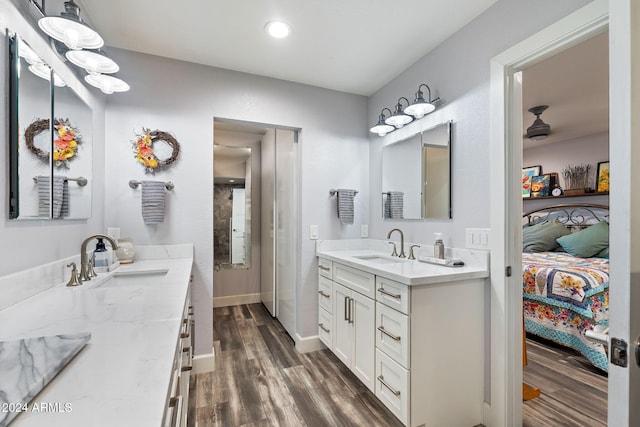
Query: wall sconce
{"points": [[381, 128], [69, 29], [420, 106], [401, 117]]}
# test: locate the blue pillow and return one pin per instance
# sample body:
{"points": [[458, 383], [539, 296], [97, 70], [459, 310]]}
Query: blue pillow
{"points": [[603, 253], [542, 237], [588, 242]]}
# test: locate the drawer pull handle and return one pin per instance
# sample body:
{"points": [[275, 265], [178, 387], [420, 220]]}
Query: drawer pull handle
{"points": [[346, 308], [389, 334], [391, 389], [322, 267], [323, 328], [389, 294], [323, 294]]}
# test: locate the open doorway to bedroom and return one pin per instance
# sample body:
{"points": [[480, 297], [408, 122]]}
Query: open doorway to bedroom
{"points": [[565, 279]]}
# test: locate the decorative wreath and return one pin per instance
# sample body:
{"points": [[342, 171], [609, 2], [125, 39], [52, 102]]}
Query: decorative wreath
{"points": [[65, 145], [143, 148]]}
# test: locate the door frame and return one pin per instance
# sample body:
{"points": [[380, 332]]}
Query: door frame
{"points": [[503, 402]]}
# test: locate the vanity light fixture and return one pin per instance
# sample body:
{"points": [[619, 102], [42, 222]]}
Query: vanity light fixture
{"points": [[420, 106], [381, 128], [278, 29], [93, 61], [539, 130], [399, 118], [107, 84], [69, 29], [44, 71]]}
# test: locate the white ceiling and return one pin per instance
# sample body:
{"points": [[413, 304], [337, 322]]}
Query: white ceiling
{"points": [[575, 85], [354, 46]]}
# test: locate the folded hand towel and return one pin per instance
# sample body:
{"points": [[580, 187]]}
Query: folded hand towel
{"points": [[393, 205], [345, 205], [153, 202], [44, 194], [56, 195]]}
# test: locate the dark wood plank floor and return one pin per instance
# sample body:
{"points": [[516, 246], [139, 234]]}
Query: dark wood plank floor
{"points": [[574, 392], [261, 380]]}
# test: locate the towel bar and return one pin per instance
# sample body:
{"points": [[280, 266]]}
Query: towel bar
{"points": [[333, 192], [134, 184], [81, 180]]}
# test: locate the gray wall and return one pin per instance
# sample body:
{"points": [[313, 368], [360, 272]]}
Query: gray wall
{"points": [[183, 98], [458, 71]]}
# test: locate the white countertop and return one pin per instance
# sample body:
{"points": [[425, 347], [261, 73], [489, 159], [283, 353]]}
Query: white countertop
{"points": [[409, 272], [122, 375]]}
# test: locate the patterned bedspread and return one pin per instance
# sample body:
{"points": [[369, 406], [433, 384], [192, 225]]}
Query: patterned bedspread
{"points": [[563, 297]]}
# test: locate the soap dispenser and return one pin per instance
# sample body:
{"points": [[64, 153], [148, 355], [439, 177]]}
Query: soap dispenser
{"points": [[101, 257], [438, 247]]}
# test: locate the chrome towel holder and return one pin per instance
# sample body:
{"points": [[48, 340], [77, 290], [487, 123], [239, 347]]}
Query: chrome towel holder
{"points": [[134, 184]]}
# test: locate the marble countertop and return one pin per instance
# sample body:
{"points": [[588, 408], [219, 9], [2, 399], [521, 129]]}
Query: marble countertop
{"points": [[122, 375], [409, 272]]}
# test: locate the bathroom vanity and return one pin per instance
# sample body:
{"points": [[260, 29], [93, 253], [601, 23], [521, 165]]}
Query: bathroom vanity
{"points": [[134, 369], [412, 332]]}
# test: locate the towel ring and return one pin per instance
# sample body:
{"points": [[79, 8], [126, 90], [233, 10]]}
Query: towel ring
{"points": [[134, 184]]}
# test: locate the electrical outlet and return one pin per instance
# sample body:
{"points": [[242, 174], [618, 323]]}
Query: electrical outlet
{"points": [[313, 232], [478, 238], [364, 230]]}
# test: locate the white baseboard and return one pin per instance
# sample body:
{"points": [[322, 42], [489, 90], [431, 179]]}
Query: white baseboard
{"points": [[308, 344], [203, 363], [236, 300]]}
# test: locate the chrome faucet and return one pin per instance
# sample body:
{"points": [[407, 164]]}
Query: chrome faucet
{"points": [[402, 254], [84, 262]]}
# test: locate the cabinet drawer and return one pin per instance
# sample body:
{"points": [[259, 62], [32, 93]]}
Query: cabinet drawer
{"points": [[392, 334], [324, 294], [325, 267], [357, 280], [325, 327], [393, 294], [392, 386]]}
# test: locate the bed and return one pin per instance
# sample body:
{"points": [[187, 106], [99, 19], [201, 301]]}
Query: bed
{"points": [[565, 276]]}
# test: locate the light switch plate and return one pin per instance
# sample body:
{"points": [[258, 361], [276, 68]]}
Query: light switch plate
{"points": [[313, 232], [478, 238], [364, 230]]}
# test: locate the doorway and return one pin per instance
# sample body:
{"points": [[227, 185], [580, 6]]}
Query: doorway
{"points": [[255, 170]]}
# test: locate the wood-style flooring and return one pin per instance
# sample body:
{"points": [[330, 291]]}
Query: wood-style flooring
{"points": [[574, 392], [261, 380]]}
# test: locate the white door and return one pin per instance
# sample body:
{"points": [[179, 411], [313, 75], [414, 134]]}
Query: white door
{"points": [[267, 221], [342, 337], [623, 18], [364, 338]]}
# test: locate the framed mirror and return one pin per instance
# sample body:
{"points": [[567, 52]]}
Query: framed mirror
{"points": [[50, 156], [232, 206], [416, 176]]}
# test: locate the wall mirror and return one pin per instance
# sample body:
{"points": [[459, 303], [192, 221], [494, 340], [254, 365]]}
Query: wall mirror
{"points": [[50, 127], [416, 176], [232, 206]]}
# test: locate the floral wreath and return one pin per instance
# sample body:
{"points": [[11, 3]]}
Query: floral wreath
{"points": [[65, 145], [143, 149]]}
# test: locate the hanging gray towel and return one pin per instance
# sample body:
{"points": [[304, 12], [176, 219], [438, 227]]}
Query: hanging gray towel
{"points": [[345, 205], [153, 202], [44, 193], [59, 194], [393, 205], [64, 209]]}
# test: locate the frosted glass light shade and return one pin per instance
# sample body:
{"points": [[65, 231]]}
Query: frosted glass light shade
{"points": [[93, 62], [419, 109], [75, 35], [382, 129], [44, 71], [107, 84], [398, 120]]}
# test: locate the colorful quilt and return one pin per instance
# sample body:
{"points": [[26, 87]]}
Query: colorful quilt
{"points": [[564, 296]]}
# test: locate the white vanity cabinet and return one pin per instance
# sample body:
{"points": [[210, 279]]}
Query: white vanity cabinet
{"points": [[177, 403], [425, 342]]}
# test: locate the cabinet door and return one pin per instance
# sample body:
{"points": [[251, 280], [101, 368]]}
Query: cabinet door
{"points": [[363, 317], [342, 337]]}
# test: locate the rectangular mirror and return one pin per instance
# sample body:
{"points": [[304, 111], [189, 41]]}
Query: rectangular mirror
{"points": [[416, 176], [232, 206], [49, 166]]}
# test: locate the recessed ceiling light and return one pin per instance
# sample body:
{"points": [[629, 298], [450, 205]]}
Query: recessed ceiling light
{"points": [[278, 29]]}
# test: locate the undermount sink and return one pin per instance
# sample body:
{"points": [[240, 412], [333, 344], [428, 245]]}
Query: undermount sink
{"points": [[133, 278], [380, 259]]}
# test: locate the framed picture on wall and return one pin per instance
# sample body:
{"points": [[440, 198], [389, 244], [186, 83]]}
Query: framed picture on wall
{"points": [[528, 173], [602, 178], [540, 185]]}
